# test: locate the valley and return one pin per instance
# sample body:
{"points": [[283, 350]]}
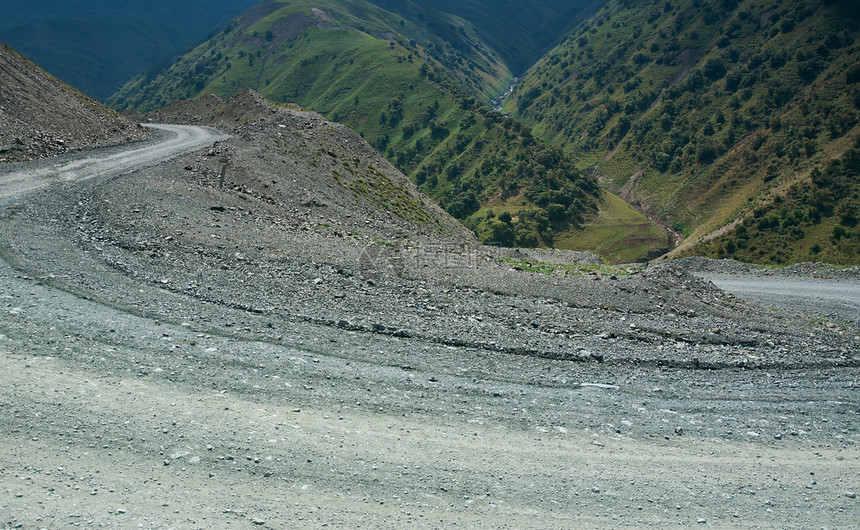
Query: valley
{"points": [[421, 98], [304, 278], [729, 129]]}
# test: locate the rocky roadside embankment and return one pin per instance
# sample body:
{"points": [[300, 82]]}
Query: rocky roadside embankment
{"points": [[41, 116], [297, 219]]}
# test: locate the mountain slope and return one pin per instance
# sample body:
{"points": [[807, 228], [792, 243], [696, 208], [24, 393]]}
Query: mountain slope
{"points": [[41, 116], [97, 45], [322, 41], [709, 113], [310, 171], [369, 69]]}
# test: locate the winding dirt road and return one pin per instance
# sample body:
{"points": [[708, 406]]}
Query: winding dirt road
{"points": [[836, 299], [177, 139], [148, 407]]}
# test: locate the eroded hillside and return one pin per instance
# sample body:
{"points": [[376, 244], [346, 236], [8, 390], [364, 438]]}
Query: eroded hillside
{"points": [[315, 172], [41, 116]]}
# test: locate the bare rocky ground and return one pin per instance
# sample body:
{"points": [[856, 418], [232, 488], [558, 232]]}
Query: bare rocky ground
{"points": [[41, 116], [278, 348]]}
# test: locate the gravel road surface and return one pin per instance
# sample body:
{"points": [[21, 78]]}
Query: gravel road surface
{"points": [[836, 299], [177, 139], [155, 373]]}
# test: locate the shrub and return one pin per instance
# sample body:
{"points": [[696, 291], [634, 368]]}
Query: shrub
{"points": [[730, 247], [556, 212], [496, 232], [838, 233], [853, 74], [714, 69]]}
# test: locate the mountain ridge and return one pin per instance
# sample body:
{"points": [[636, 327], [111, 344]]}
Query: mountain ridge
{"points": [[519, 36], [96, 46]]}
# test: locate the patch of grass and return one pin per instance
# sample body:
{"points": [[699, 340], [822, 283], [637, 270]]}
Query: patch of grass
{"points": [[619, 234], [530, 266], [385, 194]]}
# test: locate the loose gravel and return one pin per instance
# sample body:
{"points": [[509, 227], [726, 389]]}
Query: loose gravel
{"points": [[186, 352]]}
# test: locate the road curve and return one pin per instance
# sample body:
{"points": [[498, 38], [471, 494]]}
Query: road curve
{"points": [[126, 401], [178, 139], [838, 299]]}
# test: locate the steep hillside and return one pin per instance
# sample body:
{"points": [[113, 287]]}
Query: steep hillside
{"points": [[315, 174], [323, 51], [97, 45], [41, 116], [709, 114], [814, 219], [370, 69]]}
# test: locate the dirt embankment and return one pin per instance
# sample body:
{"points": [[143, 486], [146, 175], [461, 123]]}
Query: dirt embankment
{"points": [[41, 116]]}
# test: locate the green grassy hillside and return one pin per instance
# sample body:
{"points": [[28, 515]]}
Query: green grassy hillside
{"points": [[707, 113], [307, 50], [418, 99], [814, 220]]}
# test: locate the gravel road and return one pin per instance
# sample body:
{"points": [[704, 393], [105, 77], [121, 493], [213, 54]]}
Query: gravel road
{"points": [[177, 139], [835, 299], [199, 368]]}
